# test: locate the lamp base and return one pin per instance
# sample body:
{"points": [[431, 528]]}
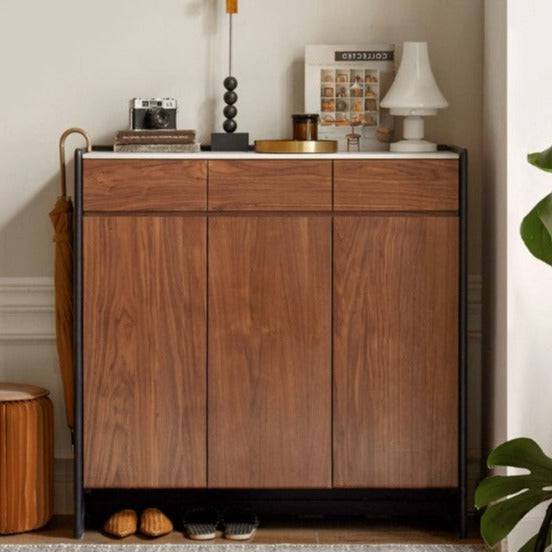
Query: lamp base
{"points": [[413, 146]]}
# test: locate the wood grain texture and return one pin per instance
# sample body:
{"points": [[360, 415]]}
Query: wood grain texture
{"points": [[26, 464], [396, 185], [267, 185], [144, 185], [144, 352], [269, 352], [396, 352]]}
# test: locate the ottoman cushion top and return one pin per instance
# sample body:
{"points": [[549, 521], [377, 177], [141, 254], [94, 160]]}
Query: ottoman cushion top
{"points": [[20, 392]]}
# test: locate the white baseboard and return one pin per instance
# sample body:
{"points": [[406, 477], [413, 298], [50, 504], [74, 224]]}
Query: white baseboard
{"points": [[27, 347]]}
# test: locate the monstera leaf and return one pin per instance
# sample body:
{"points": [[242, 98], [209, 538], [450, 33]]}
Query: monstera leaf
{"points": [[536, 230], [541, 159], [508, 499]]}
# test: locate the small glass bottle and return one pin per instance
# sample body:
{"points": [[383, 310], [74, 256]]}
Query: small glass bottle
{"points": [[305, 126]]}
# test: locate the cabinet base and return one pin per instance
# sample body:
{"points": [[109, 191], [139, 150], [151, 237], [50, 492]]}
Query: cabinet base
{"points": [[269, 504]]}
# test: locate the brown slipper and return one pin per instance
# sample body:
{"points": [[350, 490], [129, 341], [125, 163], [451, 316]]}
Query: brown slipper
{"points": [[122, 524], [154, 523]]}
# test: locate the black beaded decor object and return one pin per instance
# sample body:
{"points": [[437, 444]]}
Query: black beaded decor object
{"points": [[230, 140]]}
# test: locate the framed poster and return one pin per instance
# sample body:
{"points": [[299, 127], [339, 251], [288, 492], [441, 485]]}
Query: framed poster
{"points": [[344, 85]]}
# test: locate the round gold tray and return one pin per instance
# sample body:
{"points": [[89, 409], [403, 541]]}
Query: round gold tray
{"points": [[295, 146]]}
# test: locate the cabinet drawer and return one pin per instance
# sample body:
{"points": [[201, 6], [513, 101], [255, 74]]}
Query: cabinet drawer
{"points": [[396, 185], [270, 185], [145, 185]]}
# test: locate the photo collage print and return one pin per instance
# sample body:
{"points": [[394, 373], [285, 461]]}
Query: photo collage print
{"points": [[349, 97]]}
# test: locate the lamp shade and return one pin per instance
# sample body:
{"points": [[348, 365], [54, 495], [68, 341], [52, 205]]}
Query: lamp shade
{"points": [[414, 91]]}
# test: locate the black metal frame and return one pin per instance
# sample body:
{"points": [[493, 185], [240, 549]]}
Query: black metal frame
{"points": [[463, 347], [91, 504], [78, 347]]}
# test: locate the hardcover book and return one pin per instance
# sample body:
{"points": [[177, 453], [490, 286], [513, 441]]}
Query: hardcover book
{"points": [[157, 148], [155, 137]]}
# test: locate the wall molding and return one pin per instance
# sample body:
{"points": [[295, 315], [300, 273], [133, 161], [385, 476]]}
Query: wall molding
{"points": [[27, 309], [475, 306]]}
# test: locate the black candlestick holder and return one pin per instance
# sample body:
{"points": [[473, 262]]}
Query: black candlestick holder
{"points": [[230, 140]]}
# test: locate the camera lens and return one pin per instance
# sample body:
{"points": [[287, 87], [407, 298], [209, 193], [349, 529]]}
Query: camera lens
{"points": [[158, 118]]}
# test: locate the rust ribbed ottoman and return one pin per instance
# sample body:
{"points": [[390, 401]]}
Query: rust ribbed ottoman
{"points": [[26, 458]]}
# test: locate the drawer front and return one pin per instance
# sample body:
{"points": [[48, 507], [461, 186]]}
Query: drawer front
{"points": [[145, 185], [396, 185], [279, 185]]}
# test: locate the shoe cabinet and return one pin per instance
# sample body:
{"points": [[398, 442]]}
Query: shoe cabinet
{"points": [[257, 323]]}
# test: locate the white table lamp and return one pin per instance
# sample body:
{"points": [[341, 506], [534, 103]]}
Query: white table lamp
{"points": [[414, 95]]}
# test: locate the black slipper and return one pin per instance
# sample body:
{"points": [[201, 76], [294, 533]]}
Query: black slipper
{"points": [[239, 523], [201, 523]]}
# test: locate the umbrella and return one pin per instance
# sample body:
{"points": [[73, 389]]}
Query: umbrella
{"points": [[62, 220]]}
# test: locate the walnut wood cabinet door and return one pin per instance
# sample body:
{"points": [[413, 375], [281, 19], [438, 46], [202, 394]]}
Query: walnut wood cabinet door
{"points": [[144, 351], [269, 367], [396, 351]]}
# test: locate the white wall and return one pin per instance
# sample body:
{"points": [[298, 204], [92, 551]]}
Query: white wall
{"points": [[71, 62], [529, 281]]}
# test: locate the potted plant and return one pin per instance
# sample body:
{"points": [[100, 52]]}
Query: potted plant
{"points": [[508, 498]]}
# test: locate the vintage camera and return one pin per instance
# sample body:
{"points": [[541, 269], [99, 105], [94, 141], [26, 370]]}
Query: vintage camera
{"points": [[153, 114]]}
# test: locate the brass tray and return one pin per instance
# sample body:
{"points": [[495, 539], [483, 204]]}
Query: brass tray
{"points": [[296, 146]]}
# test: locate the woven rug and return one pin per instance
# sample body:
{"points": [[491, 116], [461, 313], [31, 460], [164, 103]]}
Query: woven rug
{"points": [[118, 547]]}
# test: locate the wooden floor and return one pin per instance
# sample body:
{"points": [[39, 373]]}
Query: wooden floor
{"points": [[288, 532]]}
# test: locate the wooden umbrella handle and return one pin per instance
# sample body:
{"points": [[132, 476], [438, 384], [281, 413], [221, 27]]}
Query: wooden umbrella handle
{"points": [[62, 140], [231, 6]]}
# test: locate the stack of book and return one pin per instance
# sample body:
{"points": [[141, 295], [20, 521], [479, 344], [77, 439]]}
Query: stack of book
{"points": [[156, 141]]}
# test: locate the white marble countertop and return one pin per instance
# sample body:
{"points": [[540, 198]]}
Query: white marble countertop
{"points": [[251, 155]]}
